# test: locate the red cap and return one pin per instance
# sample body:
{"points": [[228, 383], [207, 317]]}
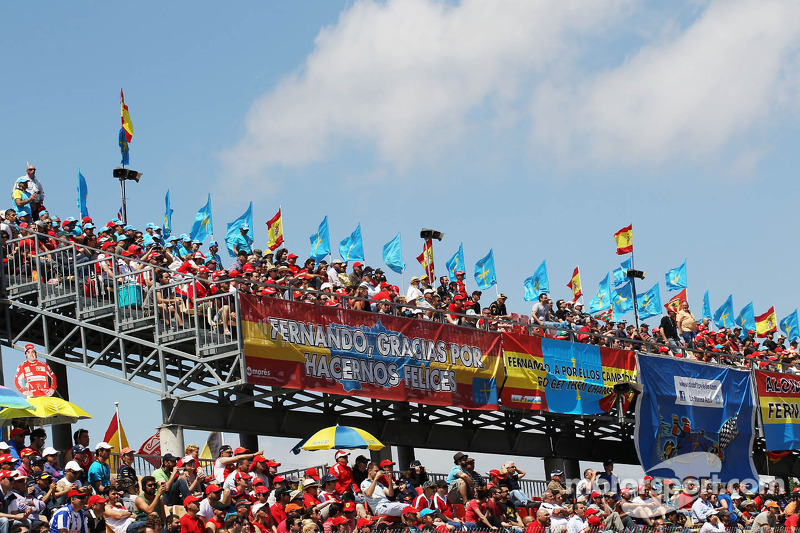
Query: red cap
{"points": [[278, 479], [212, 488], [190, 499], [242, 475], [73, 493], [410, 510], [29, 347], [247, 268], [387, 462], [337, 521], [261, 489], [126, 253], [86, 219], [591, 510], [364, 522], [198, 255], [133, 249], [460, 273], [357, 264], [27, 451], [271, 462], [384, 285], [595, 494], [96, 499], [496, 473], [458, 297], [292, 256], [257, 481], [349, 506], [240, 450], [203, 270], [395, 288], [234, 273], [648, 478], [313, 474], [6, 458], [594, 520]]}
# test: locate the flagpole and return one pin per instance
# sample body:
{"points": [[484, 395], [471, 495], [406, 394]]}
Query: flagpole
{"points": [[119, 435], [633, 291]]}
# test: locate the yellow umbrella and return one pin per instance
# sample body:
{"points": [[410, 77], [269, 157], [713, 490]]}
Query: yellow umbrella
{"points": [[339, 437], [47, 410]]}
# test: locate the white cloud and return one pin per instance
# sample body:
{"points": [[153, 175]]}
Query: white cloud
{"points": [[405, 75], [412, 78], [685, 99]]}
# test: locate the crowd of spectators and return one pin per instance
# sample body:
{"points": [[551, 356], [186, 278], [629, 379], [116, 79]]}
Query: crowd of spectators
{"points": [[117, 249], [78, 491]]}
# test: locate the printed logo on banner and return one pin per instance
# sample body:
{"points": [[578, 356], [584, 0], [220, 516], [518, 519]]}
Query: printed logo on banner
{"points": [[698, 392]]}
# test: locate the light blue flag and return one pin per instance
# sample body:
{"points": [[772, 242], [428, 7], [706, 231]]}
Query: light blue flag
{"points": [[706, 306], [203, 227], [234, 229], [83, 193], [746, 319], [622, 299], [790, 326], [602, 300], [537, 284], [320, 243], [393, 255], [456, 262], [676, 278], [352, 248], [485, 274], [167, 229], [649, 303], [723, 317], [621, 274]]}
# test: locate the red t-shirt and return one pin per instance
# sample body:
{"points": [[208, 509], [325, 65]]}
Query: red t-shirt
{"points": [[421, 502], [192, 524], [471, 515], [277, 512], [791, 521], [309, 500], [535, 527]]}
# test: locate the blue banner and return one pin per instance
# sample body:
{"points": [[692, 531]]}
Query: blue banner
{"points": [[83, 194], [694, 419]]}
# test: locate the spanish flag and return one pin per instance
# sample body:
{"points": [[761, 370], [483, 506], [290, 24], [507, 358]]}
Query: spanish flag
{"points": [[624, 240], [127, 125], [275, 231], [426, 260], [766, 322], [115, 436], [575, 285]]}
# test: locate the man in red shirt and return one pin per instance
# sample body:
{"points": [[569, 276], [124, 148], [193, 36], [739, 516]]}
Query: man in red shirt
{"points": [[190, 522], [425, 500], [278, 509], [462, 288], [541, 523], [34, 377], [456, 307], [344, 474]]}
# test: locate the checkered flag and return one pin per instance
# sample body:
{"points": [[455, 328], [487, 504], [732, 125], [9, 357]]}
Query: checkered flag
{"points": [[727, 433]]}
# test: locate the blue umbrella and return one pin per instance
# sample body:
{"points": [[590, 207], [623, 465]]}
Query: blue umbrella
{"points": [[13, 399]]}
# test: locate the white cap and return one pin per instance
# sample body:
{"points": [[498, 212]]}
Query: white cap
{"points": [[74, 466], [341, 453], [103, 445], [49, 451], [4, 445], [257, 507]]}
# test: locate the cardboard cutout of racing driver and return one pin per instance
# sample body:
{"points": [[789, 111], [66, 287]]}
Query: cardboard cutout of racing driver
{"points": [[34, 377]]}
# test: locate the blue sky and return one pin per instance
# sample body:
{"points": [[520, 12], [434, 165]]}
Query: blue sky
{"points": [[536, 129]]}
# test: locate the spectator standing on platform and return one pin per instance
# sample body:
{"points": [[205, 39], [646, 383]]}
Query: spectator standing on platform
{"points": [[669, 329], [687, 324], [608, 481]]}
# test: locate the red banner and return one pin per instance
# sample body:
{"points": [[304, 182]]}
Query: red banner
{"points": [[310, 347]]}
